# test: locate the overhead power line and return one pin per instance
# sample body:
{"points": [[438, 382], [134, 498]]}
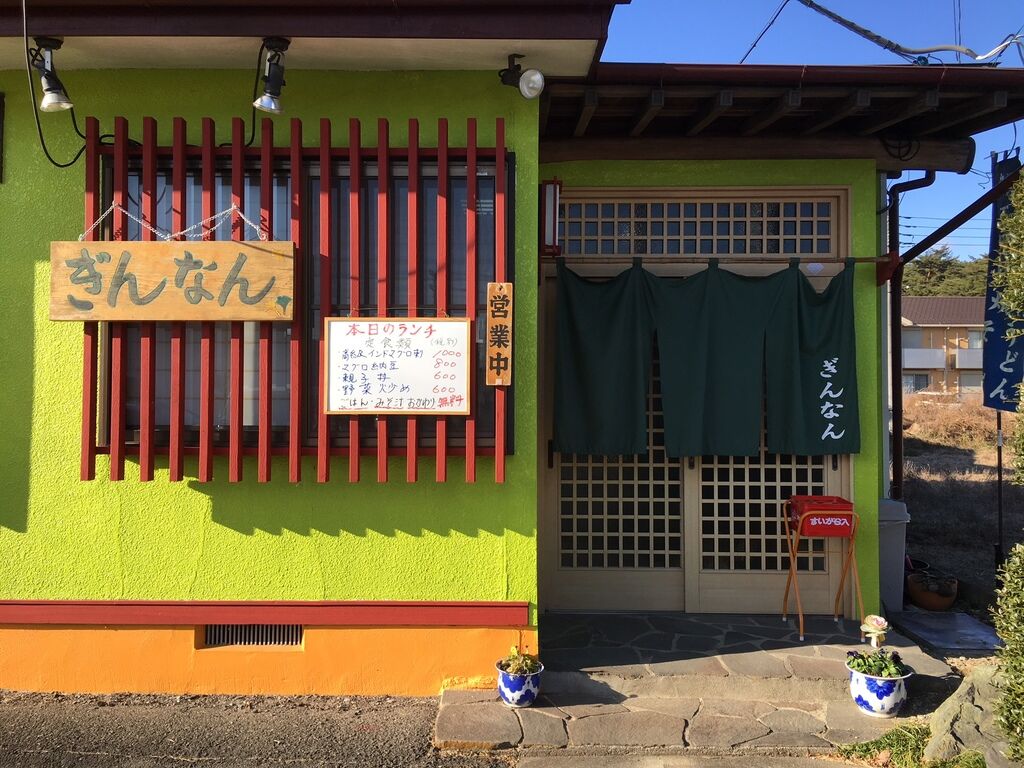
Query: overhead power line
{"points": [[935, 218], [957, 26], [929, 226], [912, 54], [767, 26]]}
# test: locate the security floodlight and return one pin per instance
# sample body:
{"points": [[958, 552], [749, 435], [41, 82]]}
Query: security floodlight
{"points": [[55, 97], [273, 75], [530, 82]]}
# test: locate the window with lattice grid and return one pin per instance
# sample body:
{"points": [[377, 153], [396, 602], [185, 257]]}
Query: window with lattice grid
{"points": [[691, 224]]}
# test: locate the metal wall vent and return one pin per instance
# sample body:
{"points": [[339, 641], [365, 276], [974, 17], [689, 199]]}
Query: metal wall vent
{"points": [[219, 635]]}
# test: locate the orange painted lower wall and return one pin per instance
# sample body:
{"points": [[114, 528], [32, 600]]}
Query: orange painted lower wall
{"points": [[397, 661]]}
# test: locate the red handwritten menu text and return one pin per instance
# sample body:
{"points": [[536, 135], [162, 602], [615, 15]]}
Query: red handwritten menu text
{"points": [[397, 365]]}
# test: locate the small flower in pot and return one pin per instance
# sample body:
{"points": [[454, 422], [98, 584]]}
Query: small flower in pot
{"points": [[519, 678], [875, 627], [878, 681]]}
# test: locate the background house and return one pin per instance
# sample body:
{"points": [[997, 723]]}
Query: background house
{"points": [[942, 341]]}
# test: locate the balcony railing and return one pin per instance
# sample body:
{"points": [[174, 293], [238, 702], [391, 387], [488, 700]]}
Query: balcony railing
{"points": [[924, 358], [968, 358]]}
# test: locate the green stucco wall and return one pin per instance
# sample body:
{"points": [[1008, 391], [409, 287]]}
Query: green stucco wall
{"points": [[860, 177], [65, 539]]}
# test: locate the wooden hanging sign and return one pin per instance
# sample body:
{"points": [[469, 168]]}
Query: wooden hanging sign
{"points": [[499, 334], [172, 280]]}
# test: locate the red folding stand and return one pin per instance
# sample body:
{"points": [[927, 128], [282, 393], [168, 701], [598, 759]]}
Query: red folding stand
{"points": [[820, 516]]}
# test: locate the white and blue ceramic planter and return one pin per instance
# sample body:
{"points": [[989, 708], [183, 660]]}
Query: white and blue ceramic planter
{"points": [[518, 690], [878, 696]]}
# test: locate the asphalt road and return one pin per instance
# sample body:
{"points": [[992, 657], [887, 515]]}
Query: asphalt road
{"points": [[120, 731]]}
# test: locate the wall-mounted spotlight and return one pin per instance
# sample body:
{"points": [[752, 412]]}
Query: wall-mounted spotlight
{"points": [[530, 82], [55, 98], [273, 75]]}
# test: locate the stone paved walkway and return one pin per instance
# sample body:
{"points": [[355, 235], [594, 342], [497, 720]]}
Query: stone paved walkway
{"points": [[688, 684], [639, 645]]}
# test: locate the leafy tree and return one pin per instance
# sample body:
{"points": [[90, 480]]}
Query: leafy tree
{"points": [[1008, 278], [939, 273], [1009, 620]]}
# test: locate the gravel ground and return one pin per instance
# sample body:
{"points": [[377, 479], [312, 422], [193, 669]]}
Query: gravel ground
{"points": [[946, 486], [133, 731]]}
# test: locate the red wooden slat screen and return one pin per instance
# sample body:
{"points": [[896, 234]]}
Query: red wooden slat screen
{"points": [[147, 336], [355, 180], [91, 330], [471, 291], [441, 447], [147, 156], [323, 430], [117, 330], [500, 265], [412, 297], [175, 460], [383, 194], [295, 343], [265, 419], [235, 413], [206, 340]]}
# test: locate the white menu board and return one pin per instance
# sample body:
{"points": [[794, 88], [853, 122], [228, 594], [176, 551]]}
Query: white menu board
{"points": [[397, 365]]}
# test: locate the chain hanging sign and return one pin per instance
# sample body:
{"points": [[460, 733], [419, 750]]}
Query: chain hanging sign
{"points": [[499, 334], [171, 280]]}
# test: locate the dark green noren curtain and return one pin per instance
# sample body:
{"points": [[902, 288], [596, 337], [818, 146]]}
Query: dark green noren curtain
{"points": [[737, 354], [711, 341], [603, 364], [811, 369]]}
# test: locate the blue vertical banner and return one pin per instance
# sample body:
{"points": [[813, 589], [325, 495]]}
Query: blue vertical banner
{"points": [[1002, 361]]}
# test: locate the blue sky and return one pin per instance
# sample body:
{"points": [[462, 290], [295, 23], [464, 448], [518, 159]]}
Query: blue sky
{"points": [[682, 31]]}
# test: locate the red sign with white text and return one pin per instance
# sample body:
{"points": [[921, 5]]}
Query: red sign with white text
{"points": [[822, 516]]}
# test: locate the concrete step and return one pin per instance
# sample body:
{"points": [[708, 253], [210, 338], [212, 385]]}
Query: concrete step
{"points": [[600, 686], [683, 685], [792, 672], [803, 708], [762, 723]]}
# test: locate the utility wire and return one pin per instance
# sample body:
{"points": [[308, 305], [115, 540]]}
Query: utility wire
{"points": [[929, 226], [767, 26], [957, 26], [914, 55], [931, 218]]}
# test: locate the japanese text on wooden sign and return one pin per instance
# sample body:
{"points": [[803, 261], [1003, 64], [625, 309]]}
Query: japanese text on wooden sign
{"points": [[171, 280], [397, 365], [499, 334]]}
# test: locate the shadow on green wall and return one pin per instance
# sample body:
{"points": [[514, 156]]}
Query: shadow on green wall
{"points": [[17, 350], [368, 506], [18, 338]]}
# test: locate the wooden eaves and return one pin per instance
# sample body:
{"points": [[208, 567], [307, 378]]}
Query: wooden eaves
{"points": [[903, 117], [433, 19]]}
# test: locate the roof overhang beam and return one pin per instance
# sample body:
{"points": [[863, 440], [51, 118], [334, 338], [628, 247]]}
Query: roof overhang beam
{"points": [[931, 154]]}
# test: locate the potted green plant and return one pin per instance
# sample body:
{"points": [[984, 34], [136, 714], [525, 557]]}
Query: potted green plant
{"points": [[877, 677], [519, 678], [931, 590]]}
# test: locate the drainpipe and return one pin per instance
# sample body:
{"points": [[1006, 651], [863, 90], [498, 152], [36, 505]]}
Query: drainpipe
{"points": [[896, 325]]}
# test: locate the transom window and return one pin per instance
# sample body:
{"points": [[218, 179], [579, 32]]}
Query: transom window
{"points": [[593, 223]]}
